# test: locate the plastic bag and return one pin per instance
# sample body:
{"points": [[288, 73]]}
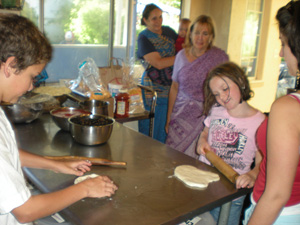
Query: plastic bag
{"points": [[89, 82], [112, 74], [136, 104], [121, 75]]}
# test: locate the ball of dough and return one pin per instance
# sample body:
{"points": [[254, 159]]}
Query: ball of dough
{"points": [[82, 178]]}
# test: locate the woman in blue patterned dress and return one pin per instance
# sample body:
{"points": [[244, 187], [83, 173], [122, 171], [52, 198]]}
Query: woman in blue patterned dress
{"points": [[156, 49]]}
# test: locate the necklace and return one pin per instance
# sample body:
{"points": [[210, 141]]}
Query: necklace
{"points": [[194, 53]]}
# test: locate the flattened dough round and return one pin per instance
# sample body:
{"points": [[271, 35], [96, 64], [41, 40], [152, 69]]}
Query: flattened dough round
{"points": [[195, 177], [82, 178]]}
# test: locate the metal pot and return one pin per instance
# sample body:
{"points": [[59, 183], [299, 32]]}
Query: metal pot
{"points": [[19, 113], [96, 107]]}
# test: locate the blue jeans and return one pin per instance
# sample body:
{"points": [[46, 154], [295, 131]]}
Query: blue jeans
{"points": [[161, 110], [235, 211]]}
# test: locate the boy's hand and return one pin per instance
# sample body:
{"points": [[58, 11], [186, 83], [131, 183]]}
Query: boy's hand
{"points": [[99, 187], [76, 167]]}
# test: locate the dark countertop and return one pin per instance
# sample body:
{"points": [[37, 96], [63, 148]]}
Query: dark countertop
{"points": [[148, 194]]}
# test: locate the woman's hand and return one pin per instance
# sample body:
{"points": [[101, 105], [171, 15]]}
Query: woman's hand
{"points": [[155, 60], [172, 98], [167, 127], [99, 187], [76, 167]]}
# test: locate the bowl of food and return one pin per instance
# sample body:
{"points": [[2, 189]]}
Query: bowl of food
{"points": [[91, 129], [61, 115], [20, 113]]}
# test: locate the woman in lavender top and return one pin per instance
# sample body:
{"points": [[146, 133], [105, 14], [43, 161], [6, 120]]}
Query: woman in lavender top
{"points": [[192, 64]]}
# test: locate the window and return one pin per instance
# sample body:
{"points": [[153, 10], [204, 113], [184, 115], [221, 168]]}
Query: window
{"points": [[251, 36], [78, 29]]}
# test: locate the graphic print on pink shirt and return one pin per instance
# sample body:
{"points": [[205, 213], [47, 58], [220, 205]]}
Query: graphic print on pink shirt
{"points": [[228, 142]]}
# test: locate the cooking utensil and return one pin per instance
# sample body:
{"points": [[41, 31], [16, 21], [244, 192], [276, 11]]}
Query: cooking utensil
{"points": [[85, 129], [19, 113], [94, 161], [96, 107], [61, 115], [222, 166]]}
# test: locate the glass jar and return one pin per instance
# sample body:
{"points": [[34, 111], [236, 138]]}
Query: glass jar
{"points": [[122, 104]]}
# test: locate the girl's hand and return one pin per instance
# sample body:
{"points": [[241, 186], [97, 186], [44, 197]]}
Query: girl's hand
{"points": [[99, 187], [202, 142], [245, 181], [201, 146], [76, 167]]}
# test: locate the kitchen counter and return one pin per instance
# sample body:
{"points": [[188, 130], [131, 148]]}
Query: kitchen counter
{"points": [[148, 193]]}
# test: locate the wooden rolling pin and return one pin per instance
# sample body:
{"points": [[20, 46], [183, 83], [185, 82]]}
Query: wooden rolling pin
{"points": [[94, 161], [222, 166]]}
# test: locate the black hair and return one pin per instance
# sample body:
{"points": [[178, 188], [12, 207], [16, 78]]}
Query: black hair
{"points": [[146, 13], [288, 18]]}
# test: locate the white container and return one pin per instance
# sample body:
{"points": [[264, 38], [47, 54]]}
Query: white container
{"points": [[114, 89]]}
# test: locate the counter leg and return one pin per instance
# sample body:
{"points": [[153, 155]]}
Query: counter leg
{"points": [[224, 213]]}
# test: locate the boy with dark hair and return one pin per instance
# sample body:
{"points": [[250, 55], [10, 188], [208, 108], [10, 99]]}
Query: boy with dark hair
{"points": [[24, 52]]}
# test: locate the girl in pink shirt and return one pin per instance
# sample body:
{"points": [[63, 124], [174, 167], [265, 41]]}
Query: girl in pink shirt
{"points": [[230, 128]]}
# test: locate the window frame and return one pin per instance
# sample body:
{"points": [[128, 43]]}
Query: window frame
{"points": [[258, 36]]}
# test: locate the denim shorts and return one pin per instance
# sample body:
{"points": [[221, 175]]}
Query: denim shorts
{"points": [[281, 220]]}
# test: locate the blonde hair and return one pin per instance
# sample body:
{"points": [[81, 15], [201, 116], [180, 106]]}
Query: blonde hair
{"points": [[203, 19]]}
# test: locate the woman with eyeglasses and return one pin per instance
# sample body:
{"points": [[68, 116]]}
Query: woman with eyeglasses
{"points": [[276, 193]]}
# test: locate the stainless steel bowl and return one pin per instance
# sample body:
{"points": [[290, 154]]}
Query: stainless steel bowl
{"points": [[97, 107], [61, 115], [87, 130], [19, 113]]}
